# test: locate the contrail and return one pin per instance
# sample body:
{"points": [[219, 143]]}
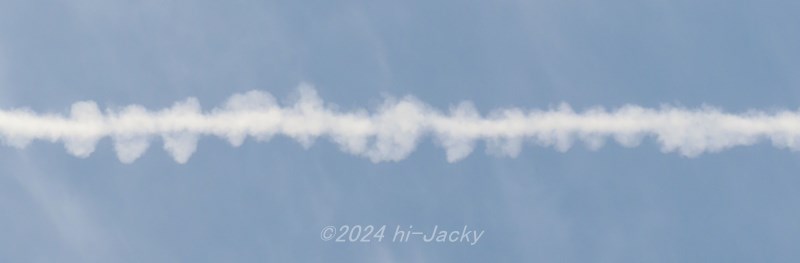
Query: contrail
{"points": [[392, 131]]}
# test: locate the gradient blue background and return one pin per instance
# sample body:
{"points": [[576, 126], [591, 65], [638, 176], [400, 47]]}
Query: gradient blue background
{"points": [[267, 202]]}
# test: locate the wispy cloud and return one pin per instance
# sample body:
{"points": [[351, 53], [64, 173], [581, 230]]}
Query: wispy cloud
{"points": [[392, 131]]}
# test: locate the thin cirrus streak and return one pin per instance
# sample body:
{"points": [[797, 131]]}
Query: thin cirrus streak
{"points": [[392, 131]]}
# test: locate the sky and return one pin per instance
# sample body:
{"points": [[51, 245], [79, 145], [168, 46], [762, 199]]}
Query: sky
{"points": [[268, 201]]}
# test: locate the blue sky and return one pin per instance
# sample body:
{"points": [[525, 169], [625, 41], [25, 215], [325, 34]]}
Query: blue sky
{"points": [[269, 201]]}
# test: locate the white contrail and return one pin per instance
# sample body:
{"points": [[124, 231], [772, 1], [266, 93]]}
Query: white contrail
{"points": [[392, 131]]}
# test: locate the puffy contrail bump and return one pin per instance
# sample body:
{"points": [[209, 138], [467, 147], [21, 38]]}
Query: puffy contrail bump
{"points": [[392, 131]]}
